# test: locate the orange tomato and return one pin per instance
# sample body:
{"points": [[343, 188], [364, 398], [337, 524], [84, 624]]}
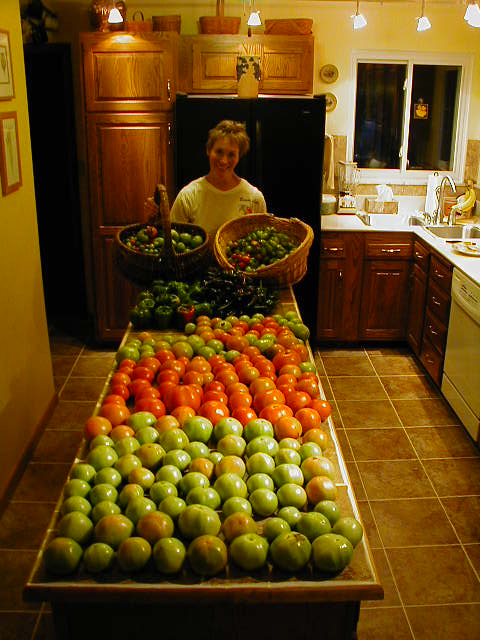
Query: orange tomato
{"points": [[227, 377], [116, 413], [192, 377], [167, 422], [143, 372], [286, 388], [264, 398], [292, 369], [298, 399], [320, 488], [150, 362], [126, 370], [152, 405], [127, 363], [183, 394], [174, 365], [302, 350], [200, 364], [96, 426], [273, 412], [216, 360], [236, 386], [165, 388], [205, 319], [239, 399], [214, 411], [251, 352], [207, 335], [310, 385], [120, 390], [181, 413], [262, 383], [267, 370], [241, 324], [121, 431], [323, 407], [219, 396], [214, 385], [164, 354], [287, 427], [244, 414], [310, 418], [240, 361], [248, 373], [286, 378], [115, 398], [140, 383], [236, 342], [119, 377], [168, 374], [148, 392], [318, 436]]}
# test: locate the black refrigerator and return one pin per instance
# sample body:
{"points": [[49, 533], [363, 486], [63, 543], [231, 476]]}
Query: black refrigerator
{"points": [[285, 161]]}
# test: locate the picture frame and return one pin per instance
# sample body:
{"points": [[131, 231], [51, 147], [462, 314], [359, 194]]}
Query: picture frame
{"points": [[10, 168], [7, 88]]}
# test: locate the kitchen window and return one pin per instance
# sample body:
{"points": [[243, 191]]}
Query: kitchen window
{"points": [[410, 115]]}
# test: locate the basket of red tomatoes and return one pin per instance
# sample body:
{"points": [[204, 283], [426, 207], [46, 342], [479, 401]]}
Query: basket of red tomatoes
{"points": [[263, 246]]}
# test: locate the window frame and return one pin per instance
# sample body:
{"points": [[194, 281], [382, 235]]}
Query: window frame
{"points": [[411, 58]]}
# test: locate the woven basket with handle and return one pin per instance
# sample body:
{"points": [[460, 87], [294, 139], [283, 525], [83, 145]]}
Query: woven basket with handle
{"points": [[143, 268], [282, 273]]}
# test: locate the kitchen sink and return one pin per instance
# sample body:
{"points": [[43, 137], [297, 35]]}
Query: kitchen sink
{"points": [[452, 232], [385, 220]]}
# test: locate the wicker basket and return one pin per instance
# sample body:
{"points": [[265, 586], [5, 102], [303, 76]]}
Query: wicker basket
{"points": [[143, 268], [283, 273], [219, 24], [167, 23], [289, 26], [138, 26]]}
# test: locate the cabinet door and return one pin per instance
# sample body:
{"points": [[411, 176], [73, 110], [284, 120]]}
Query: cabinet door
{"points": [[416, 310], [214, 63], [128, 155], [331, 300], [129, 73], [384, 305], [114, 294], [287, 65]]}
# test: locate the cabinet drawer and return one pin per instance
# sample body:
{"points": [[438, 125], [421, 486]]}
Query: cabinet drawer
{"points": [[438, 302], [384, 250], [441, 274], [435, 331], [333, 247], [420, 255], [431, 360]]}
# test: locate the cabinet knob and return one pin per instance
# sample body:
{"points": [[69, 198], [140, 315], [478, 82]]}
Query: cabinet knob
{"points": [[390, 250], [435, 301], [429, 360], [418, 255], [340, 275], [332, 249], [438, 274], [169, 90], [432, 330]]}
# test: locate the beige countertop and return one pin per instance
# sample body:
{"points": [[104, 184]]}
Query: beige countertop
{"points": [[469, 265]]}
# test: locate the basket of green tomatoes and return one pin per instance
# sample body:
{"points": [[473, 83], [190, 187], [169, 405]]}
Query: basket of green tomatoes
{"points": [[159, 247]]}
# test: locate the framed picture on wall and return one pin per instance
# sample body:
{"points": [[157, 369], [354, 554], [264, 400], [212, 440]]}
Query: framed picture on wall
{"points": [[7, 91], [10, 170]]}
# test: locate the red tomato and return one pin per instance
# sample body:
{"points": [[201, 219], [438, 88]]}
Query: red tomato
{"points": [[183, 394], [116, 413], [216, 360], [168, 374], [262, 383], [236, 386], [287, 427], [286, 378], [200, 364], [236, 342], [119, 377], [273, 412], [286, 388], [244, 414], [150, 362], [226, 377], [181, 413], [323, 407], [310, 418], [147, 392], [96, 426], [214, 411], [121, 431], [126, 363], [302, 350], [267, 397], [298, 399], [219, 396], [292, 369], [120, 390], [166, 422], [240, 361], [174, 365], [215, 385], [140, 383], [248, 373], [286, 357], [115, 398], [192, 377], [251, 351], [144, 373], [165, 388], [310, 385], [153, 405], [164, 354], [239, 399], [267, 369], [126, 370]]}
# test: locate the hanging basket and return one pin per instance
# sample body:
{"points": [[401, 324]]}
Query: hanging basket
{"points": [[143, 268], [284, 272]]}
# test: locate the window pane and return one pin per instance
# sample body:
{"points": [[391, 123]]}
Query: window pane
{"points": [[379, 115], [432, 117]]}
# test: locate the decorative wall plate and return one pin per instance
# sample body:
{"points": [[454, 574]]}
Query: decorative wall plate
{"points": [[328, 73], [330, 101]]}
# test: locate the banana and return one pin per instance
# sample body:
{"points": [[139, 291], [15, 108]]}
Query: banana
{"points": [[466, 202]]}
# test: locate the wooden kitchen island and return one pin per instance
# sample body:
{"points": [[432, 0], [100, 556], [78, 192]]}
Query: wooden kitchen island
{"points": [[233, 605]]}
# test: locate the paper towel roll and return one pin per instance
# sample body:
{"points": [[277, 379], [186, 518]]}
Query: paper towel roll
{"points": [[329, 163], [431, 201]]}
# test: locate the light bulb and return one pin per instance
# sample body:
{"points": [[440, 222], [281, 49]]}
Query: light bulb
{"points": [[115, 17], [423, 23], [472, 9], [359, 21], [474, 17], [254, 19]]}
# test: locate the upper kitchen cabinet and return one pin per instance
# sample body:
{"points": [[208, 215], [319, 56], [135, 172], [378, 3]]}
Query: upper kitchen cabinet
{"points": [[129, 87], [209, 63]]}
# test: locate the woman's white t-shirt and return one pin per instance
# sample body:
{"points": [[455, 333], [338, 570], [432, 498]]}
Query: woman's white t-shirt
{"points": [[199, 202]]}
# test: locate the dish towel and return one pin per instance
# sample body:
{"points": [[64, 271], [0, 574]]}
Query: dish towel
{"points": [[431, 201], [328, 163]]}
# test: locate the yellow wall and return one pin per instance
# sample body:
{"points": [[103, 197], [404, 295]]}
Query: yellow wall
{"points": [[26, 379]]}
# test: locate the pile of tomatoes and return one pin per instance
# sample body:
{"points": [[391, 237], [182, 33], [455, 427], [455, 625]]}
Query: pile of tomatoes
{"points": [[238, 381]]}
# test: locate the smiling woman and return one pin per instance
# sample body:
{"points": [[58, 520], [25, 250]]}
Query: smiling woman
{"points": [[221, 195]]}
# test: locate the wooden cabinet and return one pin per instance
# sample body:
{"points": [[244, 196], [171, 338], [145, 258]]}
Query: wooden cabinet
{"points": [[340, 281], [129, 85], [418, 292], [209, 63], [437, 309]]}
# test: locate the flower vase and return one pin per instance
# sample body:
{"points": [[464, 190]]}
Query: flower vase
{"points": [[248, 76]]}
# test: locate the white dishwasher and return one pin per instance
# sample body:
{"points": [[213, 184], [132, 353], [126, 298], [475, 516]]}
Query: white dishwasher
{"points": [[461, 373]]}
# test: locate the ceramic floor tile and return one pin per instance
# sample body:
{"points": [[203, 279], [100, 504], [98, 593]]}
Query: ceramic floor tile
{"points": [[400, 365], [425, 413], [354, 365], [434, 575], [62, 365], [336, 417], [390, 597], [356, 481], [369, 524], [454, 476], [65, 346], [383, 624], [464, 513], [442, 442], [380, 444], [412, 387], [406, 523], [45, 629], [388, 350], [473, 553], [344, 445], [339, 352], [15, 571], [455, 622], [17, 626], [357, 388], [360, 414], [389, 479], [57, 445], [92, 365], [82, 389], [318, 362], [59, 381], [71, 415], [23, 525], [41, 482], [327, 389]]}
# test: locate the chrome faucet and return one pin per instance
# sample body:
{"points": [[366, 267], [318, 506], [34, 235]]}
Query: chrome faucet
{"points": [[440, 193]]}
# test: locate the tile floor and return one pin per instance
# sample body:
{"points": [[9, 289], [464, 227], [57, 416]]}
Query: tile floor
{"points": [[415, 471]]}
